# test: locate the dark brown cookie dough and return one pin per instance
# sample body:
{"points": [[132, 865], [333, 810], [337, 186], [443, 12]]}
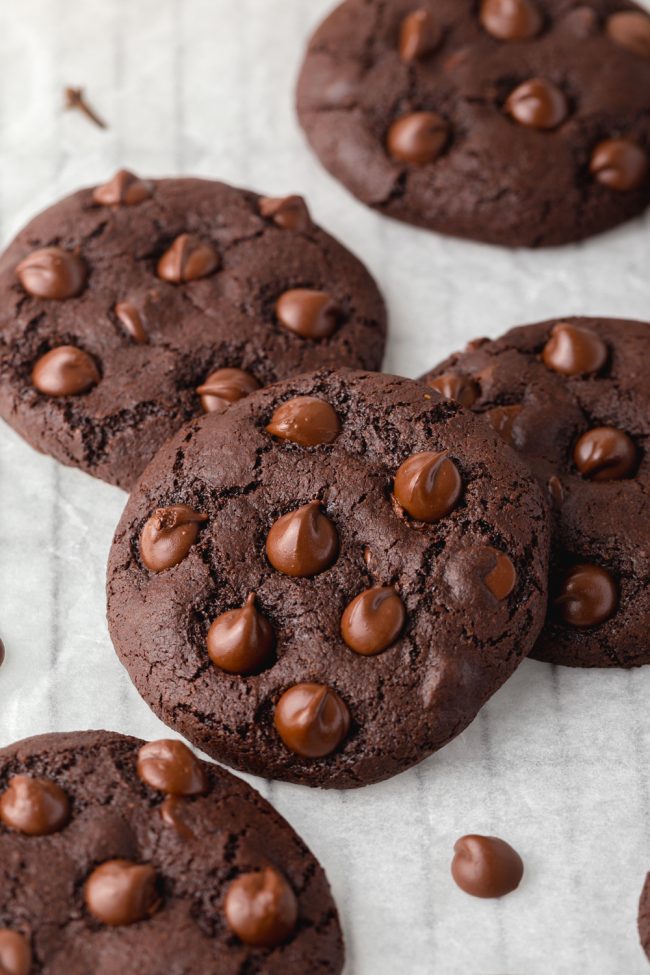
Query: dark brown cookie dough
{"points": [[644, 917], [127, 310], [573, 397], [344, 609], [516, 122], [156, 857]]}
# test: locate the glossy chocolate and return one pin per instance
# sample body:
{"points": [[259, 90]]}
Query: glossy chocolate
{"points": [[418, 138], [303, 542], [588, 596], [33, 806], [428, 486], [65, 371], [224, 387], [241, 641], [119, 892], [373, 621], [261, 908], [168, 536], [308, 313], [485, 866], [312, 720], [574, 351], [169, 766], [52, 273], [188, 259], [605, 454], [305, 420]]}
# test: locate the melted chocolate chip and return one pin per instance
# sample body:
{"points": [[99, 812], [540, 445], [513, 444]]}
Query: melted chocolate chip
{"points": [[502, 578], [171, 811], [188, 259], [124, 189], [286, 212], [574, 351], [119, 892], [36, 807], [460, 389], [305, 420], [428, 486], [588, 596], [52, 273], [605, 454], [131, 320], [65, 371], [419, 36], [537, 104], [169, 766], [303, 542], [619, 164], [630, 29], [241, 641], [224, 387], [15, 953], [485, 866], [312, 720], [168, 536], [510, 20], [502, 419], [373, 621], [309, 314], [261, 908], [418, 138]]}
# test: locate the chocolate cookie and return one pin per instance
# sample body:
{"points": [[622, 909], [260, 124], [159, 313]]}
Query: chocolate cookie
{"points": [[573, 397], [326, 583], [130, 308], [644, 917], [112, 849], [516, 122]]}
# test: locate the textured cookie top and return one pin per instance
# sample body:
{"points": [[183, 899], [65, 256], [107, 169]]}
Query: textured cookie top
{"points": [[573, 397], [113, 850], [518, 122], [128, 309], [327, 582]]}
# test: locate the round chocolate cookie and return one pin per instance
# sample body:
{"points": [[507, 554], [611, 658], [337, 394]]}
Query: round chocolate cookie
{"points": [[326, 583], [644, 917], [112, 849], [573, 397], [516, 122], [128, 309]]}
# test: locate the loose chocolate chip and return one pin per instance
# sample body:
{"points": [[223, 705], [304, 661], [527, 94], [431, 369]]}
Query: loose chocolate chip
{"points": [[605, 454], [428, 486], [311, 720], [286, 212], [169, 766], [188, 259], [574, 351], [15, 953], [631, 30], [461, 389], [373, 620], [485, 866], [588, 596], [303, 542], [65, 371], [224, 387], [168, 536], [52, 273], [36, 807], [241, 641], [131, 320], [537, 104], [502, 578], [510, 20], [124, 189], [419, 36], [171, 811], [119, 892], [305, 420], [309, 314], [418, 138], [619, 164], [261, 908], [502, 419]]}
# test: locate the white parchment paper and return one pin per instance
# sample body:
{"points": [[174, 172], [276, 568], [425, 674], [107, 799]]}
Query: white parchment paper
{"points": [[558, 762]]}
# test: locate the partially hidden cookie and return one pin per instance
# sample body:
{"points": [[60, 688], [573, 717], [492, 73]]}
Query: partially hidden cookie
{"points": [[516, 122], [644, 917], [127, 309], [326, 583], [572, 396], [118, 855]]}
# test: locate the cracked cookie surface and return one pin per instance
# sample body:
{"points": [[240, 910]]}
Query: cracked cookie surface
{"points": [[124, 306], [369, 567], [515, 122]]}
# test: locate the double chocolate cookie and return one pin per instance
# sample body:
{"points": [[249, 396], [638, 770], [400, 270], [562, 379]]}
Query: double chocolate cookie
{"points": [[326, 583], [573, 397], [644, 917], [129, 308], [517, 122], [121, 856]]}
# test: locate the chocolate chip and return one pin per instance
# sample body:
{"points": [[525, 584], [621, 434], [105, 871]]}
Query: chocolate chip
{"points": [[510, 20], [556, 490], [485, 866], [119, 892], [419, 35], [169, 766], [574, 351], [461, 389], [241, 641], [15, 953], [188, 259], [428, 486], [502, 578], [630, 29], [537, 104], [2, 653], [171, 811], [261, 908], [303, 542], [418, 138], [224, 387], [52, 273], [65, 371], [131, 320], [36, 807], [502, 419], [168, 536], [605, 454], [373, 621], [588, 596], [286, 212], [124, 189], [305, 420], [75, 98], [309, 314], [619, 164], [582, 22], [312, 720]]}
